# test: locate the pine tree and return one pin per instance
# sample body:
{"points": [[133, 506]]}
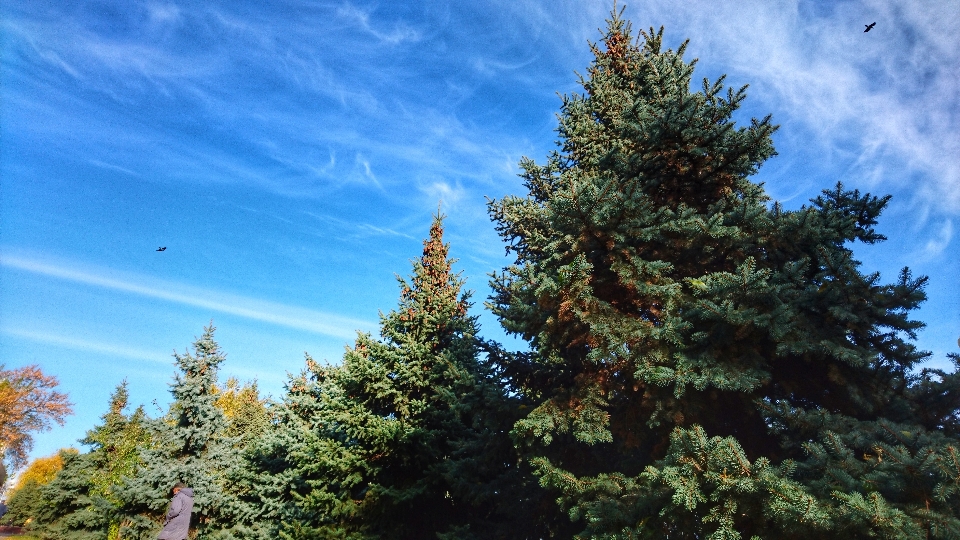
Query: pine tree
{"points": [[26, 497], [250, 426], [189, 444], [81, 502], [116, 444], [23, 505], [402, 439], [68, 509], [707, 364]]}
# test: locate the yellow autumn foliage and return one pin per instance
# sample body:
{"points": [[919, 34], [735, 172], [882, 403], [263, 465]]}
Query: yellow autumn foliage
{"points": [[243, 408], [234, 398], [42, 470]]}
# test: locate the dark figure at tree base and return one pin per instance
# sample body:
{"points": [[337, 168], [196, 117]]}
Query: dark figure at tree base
{"points": [[176, 525]]}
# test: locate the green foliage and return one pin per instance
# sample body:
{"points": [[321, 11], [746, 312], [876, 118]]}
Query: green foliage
{"points": [[189, 444], [81, 501], [705, 364], [119, 486], [251, 482], [70, 509], [407, 437], [23, 505], [27, 500], [116, 444]]}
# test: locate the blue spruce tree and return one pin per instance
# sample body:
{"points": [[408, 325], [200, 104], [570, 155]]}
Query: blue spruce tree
{"points": [[189, 444], [707, 364]]}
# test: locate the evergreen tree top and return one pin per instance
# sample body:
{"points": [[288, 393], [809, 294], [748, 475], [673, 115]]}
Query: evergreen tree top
{"points": [[389, 441], [194, 412], [432, 306], [639, 121], [190, 444], [115, 423], [202, 365]]}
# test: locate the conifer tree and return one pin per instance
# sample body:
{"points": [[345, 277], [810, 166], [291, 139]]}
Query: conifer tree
{"points": [[67, 509], [23, 505], [189, 444], [81, 502], [116, 444], [402, 441], [708, 364], [26, 497], [250, 427]]}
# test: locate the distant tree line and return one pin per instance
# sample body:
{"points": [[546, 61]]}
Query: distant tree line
{"points": [[702, 363]]}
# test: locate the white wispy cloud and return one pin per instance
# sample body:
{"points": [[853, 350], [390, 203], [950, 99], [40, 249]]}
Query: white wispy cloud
{"points": [[86, 345], [163, 13], [352, 230], [241, 306], [399, 32], [935, 246], [890, 95], [283, 137], [365, 171], [381, 231], [490, 67], [449, 194], [874, 101], [103, 165]]}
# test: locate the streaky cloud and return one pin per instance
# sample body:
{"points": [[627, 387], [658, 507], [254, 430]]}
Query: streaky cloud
{"points": [[358, 230], [250, 308], [112, 167], [122, 351]]}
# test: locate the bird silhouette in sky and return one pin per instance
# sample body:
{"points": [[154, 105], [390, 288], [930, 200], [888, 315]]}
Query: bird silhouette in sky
{"points": [[164, 248], [870, 26]]}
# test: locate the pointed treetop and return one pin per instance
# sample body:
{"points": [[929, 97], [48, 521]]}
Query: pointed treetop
{"points": [[432, 271], [119, 400], [205, 359], [617, 40], [430, 299]]}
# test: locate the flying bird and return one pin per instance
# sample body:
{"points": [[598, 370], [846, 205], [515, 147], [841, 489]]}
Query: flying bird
{"points": [[870, 26], [164, 248]]}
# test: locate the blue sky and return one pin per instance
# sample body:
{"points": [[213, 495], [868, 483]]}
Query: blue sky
{"points": [[290, 154]]}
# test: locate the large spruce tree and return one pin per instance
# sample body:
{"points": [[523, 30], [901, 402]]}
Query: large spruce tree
{"points": [[708, 364], [189, 444], [407, 438]]}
